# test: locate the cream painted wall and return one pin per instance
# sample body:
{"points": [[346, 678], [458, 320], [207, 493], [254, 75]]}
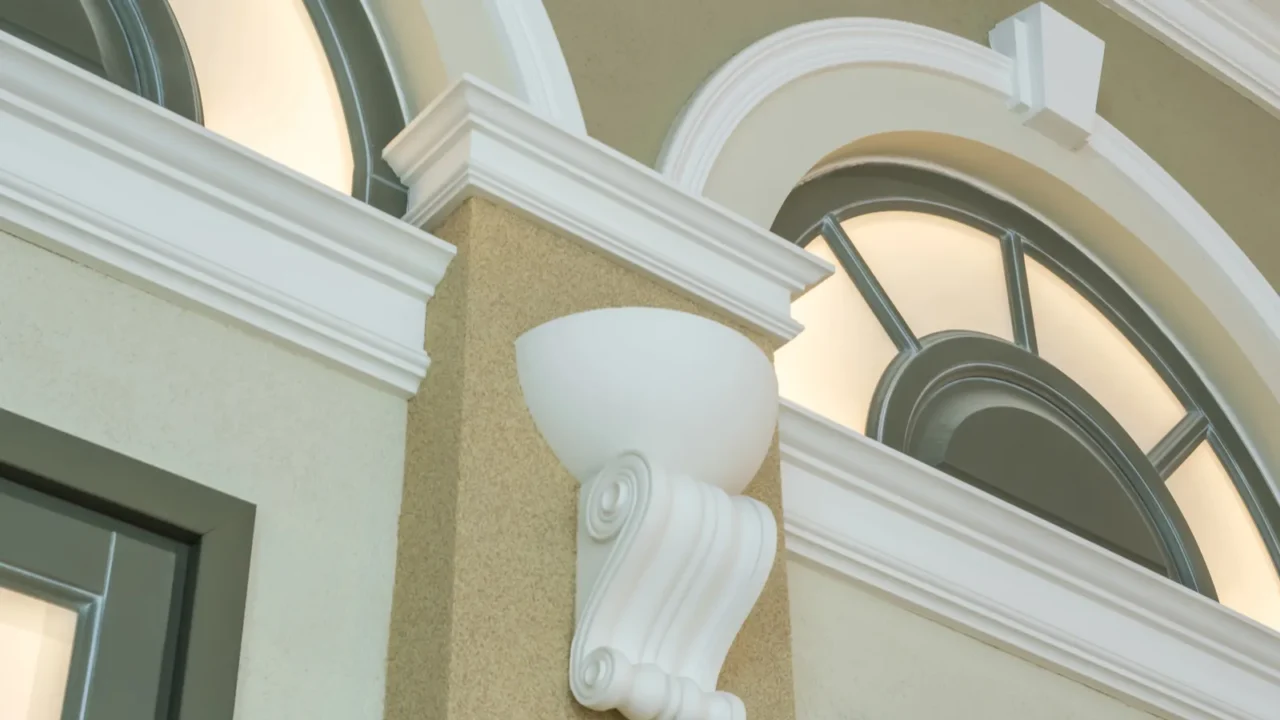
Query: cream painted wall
{"points": [[857, 656], [320, 454]]}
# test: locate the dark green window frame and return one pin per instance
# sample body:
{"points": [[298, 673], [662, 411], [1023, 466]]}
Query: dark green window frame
{"points": [[217, 527], [815, 210]]}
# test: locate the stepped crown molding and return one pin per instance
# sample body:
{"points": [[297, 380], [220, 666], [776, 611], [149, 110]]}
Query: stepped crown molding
{"points": [[991, 570], [94, 173], [475, 140], [1235, 40]]}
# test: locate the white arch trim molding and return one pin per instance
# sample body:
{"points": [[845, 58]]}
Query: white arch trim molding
{"points": [[537, 61], [1107, 623], [704, 127], [1203, 256]]}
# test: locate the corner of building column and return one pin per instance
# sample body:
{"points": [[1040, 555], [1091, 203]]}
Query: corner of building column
{"points": [[484, 610]]}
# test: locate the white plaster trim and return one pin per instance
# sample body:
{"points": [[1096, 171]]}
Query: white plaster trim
{"points": [[1235, 40], [537, 61], [740, 85], [93, 172], [475, 140], [1215, 267], [984, 567], [1057, 72], [1237, 293]]}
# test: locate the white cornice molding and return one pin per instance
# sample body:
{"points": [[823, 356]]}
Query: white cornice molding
{"points": [[95, 173], [987, 568], [1233, 39], [475, 140], [740, 85]]}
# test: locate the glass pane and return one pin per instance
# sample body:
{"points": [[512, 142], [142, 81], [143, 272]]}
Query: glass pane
{"points": [[36, 638], [1078, 339], [940, 274], [265, 83], [833, 366], [1238, 561]]}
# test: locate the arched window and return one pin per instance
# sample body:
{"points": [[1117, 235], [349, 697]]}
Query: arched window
{"points": [[303, 82], [134, 43], [970, 335]]}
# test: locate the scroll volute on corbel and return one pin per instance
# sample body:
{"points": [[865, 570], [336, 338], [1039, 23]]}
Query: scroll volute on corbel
{"points": [[663, 418]]}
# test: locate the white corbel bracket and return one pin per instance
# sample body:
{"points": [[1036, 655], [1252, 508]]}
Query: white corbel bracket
{"points": [[668, 569], [1057, 69], [663, 417]]}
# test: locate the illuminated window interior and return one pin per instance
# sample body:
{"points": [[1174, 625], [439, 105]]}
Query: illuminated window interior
{"points": [[36, 639], [940, 275], [265, 83], [833, 366], [1237, 558], [1078, 339]]}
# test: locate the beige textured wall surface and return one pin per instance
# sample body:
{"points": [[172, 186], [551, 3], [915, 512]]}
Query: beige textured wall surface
{"points": [[484, 597], [860, 657], [636, 64], [320, 454]]}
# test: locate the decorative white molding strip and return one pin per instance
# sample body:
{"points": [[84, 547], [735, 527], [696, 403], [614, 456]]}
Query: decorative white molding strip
{"points": [[1231, 38], [538, 62], [1236, 40], [1216, 268], [476, 140], [95, 173], [987, 568], [1057, 69], [751, 76], [664, 418]]}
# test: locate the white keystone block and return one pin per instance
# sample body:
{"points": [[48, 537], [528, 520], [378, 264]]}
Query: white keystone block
{"points": [[1057, 67]]}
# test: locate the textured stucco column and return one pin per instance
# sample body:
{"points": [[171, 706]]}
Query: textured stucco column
{"points": [[483, 611]]}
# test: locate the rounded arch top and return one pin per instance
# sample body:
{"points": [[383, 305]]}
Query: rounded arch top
{"points": [[852, 89], [706, 124], [509, 44]]}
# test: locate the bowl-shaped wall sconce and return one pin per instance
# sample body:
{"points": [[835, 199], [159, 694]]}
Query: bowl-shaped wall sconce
{"points": [[663, 418]]}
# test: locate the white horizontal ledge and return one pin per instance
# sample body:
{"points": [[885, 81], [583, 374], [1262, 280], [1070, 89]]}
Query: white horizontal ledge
{"points": [[99, 175], [474, 140], [989, 569]]}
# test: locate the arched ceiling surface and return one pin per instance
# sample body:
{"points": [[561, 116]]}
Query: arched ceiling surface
{"points": [[636, 64]]}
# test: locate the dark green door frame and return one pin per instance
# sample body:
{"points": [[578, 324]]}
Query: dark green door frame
{"points": [[217, 526]]}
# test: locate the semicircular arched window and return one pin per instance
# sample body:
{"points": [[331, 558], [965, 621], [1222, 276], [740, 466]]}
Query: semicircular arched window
{"points": [[966, 333], [303, 82]]}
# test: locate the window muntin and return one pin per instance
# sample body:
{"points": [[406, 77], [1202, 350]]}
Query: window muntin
{"points": [[1078, 339], [1063, 309], [1242, 572], [941, 274], [835, 364]]}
